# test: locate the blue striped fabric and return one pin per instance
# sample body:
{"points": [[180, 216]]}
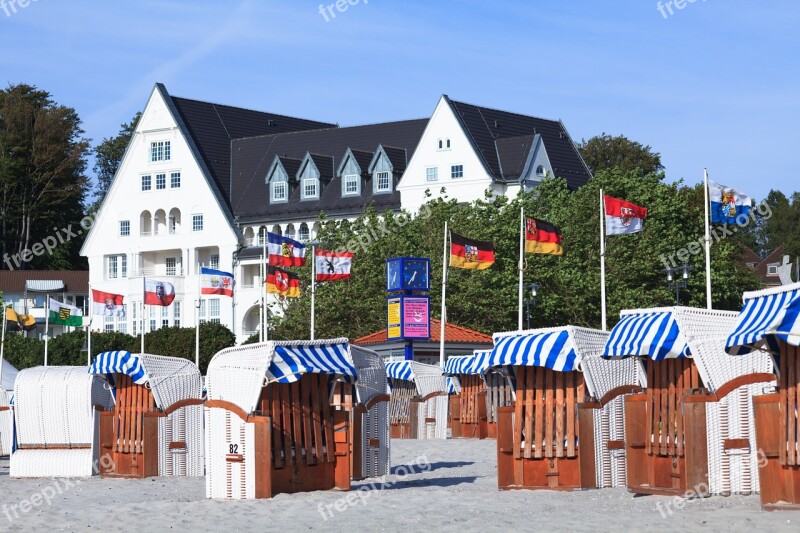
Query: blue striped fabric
{"points": [[400, 370], [290, 362], [654, 335], [120, 363], [451, 386], [477, 363], [553, 349], [764, 319]]}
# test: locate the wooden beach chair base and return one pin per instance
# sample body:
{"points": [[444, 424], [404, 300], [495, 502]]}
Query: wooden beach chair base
{"points": [[468, 418]]}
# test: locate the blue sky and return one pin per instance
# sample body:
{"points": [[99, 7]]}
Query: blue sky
{"points": [[714, 84]]}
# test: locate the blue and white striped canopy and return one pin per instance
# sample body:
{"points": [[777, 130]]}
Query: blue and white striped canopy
{"points": [[477, 363], [400, 370], [654, 335], [290, 362], [120, 362], [765, 318], [547, 348]]}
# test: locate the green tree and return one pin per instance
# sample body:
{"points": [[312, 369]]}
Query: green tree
{"points": [[605, 152], [782, 228], [108, 156]]}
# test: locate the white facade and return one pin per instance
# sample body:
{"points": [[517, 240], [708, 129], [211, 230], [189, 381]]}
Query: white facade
{"points": [[160, 219]]}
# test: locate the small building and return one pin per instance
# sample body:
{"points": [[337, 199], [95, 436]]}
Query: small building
{"points": [[27, 291], [458, 341], [767, 269]]}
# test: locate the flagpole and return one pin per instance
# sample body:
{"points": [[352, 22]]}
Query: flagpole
{"points": [[46, 327], [313, 287], [708, 242], [444, 295], [3, 343], [197, 321], [90, 311], [603, 311], [144, 293], [521, 263], [264, 323]]}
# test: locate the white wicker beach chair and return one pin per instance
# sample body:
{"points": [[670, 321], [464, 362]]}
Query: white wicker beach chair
{"points": [[374, 459], [6, 423], [417, 383], [174, 384], [698, 392], [270, 426], [55, 410]]}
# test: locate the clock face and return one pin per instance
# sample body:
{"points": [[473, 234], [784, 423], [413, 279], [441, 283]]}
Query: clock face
{"points": [[415, 275], [393, 280]]}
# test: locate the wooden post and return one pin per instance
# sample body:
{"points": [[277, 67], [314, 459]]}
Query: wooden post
{"points": [[586, 445], [341, 429], [696, 442], [262, 436], [505, 447]]}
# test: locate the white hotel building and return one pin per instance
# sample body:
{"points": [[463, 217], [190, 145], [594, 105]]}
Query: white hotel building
{"points": [[200, 182]]}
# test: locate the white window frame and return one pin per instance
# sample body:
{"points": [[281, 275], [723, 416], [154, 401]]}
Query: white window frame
{"points": [[214, 310], [176, 313], [308, 182], [124, 228], [175, 180], [300, 236], [274, 198], [161, 181], [428, 174], [160, 151], [378, 177], [171, 266], [453, 172], [214, 261], [349, 179], [772, 270], [117, 266], [198, 222], [146, 178]]}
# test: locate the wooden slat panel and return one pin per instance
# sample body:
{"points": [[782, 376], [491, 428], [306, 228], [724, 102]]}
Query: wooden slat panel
{"points": [[519, 411], [664, 419], [681, 380], [549, 411], [530, 412], [560, 410], [791, 406], [272, 407], [540, 415], [783, 390], [650, 407], [306, 405], [672, 373], [571, 401], [286, 423], [121, 420], [327, 417], [297, 423], [317, 424]]}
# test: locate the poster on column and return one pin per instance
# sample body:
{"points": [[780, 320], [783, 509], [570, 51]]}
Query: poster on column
{"points": [[416, 318], [394, 322]]}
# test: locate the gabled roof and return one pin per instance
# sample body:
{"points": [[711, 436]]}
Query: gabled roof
{"points": [[452, 333], [485, 127], [513, 153], [214, 126], [290, 166], [324, 165], [361, 157], [253, 156]]}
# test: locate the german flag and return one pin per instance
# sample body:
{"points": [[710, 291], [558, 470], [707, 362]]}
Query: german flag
{"points": [[542, 238], [283, 282], [470, 254]]}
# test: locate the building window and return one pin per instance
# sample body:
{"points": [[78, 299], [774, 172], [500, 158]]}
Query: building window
{"points": [[351, 184], [117, 266], [310, 188], [441, 144], [172, 266], [124, 228], [772, 270], [432, 173], [122, 326], [279, 191], [146, 183], [109, 324], [457, 171], [201, 311], [540, 171], [165, 317], [448, 144], [197, 222], [161, 181], [160, 151], [304, 233], [213, 310], [153, 319], [173, 225], [175, 180], [123, 265], [134, 321], [383, 182], [214, 263], [176, 320]]}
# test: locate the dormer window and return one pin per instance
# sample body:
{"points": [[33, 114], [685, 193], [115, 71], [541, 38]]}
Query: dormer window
{"points": [[280, 191], [540, 171], [383, 182], [352, 185], [310, 188]]}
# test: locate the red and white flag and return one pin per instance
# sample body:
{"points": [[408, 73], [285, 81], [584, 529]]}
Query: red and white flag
{"points": [[333, 266], [105, 303], [216, 282], [623, 217], [158, 292]]}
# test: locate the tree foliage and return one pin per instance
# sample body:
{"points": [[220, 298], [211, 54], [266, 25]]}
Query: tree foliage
{"points": [[108, 156], [42, 175], [604, 152]]}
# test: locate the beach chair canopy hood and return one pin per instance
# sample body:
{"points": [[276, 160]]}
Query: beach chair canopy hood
{"points": [[238, 374], [664, 333], [767, 317], [469, 365], [427, 378], [453, 385], [560, 349], [9, 375], [171, 379]]}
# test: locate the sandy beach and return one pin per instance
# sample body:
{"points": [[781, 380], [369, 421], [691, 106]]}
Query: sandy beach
{"points": [[436, 485]]}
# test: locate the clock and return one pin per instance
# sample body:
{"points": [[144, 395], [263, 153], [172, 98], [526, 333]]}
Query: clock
{"points": [[394, 278], [416, 276]]}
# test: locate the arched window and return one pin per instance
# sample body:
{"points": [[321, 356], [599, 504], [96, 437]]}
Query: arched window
{"points": [[290, 231], [304, 235], [440, 144], [448, 144], [174, 221], [540, 171], [145, 223]]}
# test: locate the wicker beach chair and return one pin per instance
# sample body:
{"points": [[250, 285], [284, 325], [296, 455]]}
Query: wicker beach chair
{"points": [[692, 427], [419, 400], [770, 321], [370, 417], [557, 435], [270, 423], [468, 406], [57, 423], [156, 426], [6, 413]]}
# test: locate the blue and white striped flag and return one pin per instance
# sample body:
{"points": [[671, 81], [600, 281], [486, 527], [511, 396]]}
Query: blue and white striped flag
{"points": [[728, 204]]}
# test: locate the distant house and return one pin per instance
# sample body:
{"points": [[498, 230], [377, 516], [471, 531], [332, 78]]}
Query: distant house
{"points": [[766, 269], [27, 291]]}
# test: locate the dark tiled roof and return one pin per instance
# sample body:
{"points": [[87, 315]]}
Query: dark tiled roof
{"points": [[324, 165], [252, 158], [13, 281], [513, 153], [398, 158], [485, 126], [214, 126]]}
